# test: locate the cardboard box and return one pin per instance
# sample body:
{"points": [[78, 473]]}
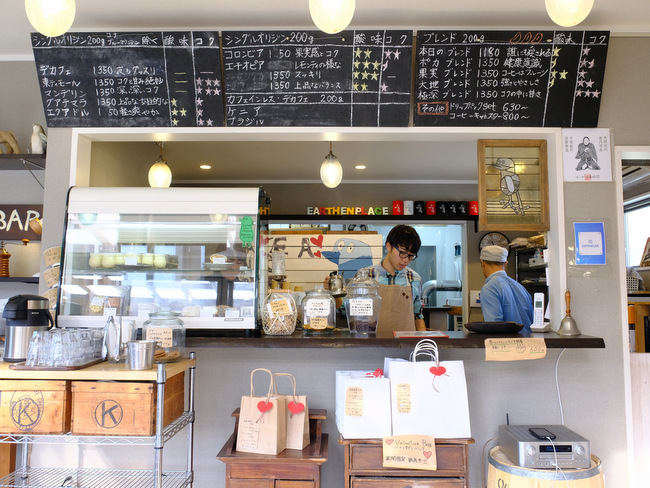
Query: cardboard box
{"points": [[35, 407], [123, 408]]}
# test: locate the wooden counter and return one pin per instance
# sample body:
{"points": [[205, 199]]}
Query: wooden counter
{"points": [[341, 339], [100, 371]]}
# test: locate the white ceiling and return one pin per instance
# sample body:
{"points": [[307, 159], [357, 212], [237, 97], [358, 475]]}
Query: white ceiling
{"points": [[418, 160]]}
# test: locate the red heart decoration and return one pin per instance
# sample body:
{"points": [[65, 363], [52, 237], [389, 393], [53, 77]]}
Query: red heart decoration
{"points": [[389, 441], [317, 240], [317, 254], [438, 370], [295, 408], [427, 454], [378, 373], [263, 406]]}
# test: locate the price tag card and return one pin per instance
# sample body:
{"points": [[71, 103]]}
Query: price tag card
{"points": [[410, 452], [280, 307], [354, 402], [514, 349]]}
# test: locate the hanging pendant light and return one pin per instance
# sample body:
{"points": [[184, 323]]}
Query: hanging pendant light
{"points": [[50, 17], [331, 16], [160, 176], [331, 172], [568, 13]]}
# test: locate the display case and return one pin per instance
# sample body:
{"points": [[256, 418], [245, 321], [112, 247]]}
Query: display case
{"points": [[129, 252]]}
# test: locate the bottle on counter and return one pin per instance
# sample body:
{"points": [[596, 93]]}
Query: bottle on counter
{"points": [[362, 303], [168, 330], [318, 312], [279, 313], [298, 295]]}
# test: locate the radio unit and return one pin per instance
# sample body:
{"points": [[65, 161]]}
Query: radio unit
{"points": [[545, 446]]}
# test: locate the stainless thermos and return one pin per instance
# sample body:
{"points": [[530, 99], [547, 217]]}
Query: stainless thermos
{"points": [[24, 315]]}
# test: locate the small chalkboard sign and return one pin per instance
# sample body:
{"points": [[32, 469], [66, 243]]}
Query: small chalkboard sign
{"points": [[145, 79], [509, 78], [310, 78]]}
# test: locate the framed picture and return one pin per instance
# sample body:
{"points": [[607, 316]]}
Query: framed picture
{"points": [[512, 185]]}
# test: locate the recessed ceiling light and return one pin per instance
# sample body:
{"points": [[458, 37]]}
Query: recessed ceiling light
{"points": [[205, 166], [360, 166]]}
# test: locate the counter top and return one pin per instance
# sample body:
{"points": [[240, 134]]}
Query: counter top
{"points": [[341, 339], [99, 371]]}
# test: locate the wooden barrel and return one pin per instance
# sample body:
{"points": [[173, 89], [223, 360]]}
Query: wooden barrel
{"points": [[502, 473]]}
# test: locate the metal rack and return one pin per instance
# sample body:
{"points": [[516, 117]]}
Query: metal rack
{"points": [[51, 477]]}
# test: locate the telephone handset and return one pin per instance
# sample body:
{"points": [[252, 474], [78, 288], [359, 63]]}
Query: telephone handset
{"points": [[538, 314]]}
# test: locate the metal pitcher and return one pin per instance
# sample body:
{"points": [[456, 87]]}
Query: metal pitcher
{"points": [[337, 285]]}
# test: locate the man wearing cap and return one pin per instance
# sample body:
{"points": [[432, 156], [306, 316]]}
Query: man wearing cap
{"points": [[502, 298]]}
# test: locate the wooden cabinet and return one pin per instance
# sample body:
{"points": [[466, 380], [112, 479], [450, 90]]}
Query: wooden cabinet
{"points": [[638, 312], [289, 469], [364, 469]]}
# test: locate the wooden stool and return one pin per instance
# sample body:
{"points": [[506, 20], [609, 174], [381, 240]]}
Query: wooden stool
{"points": [[300, 468]]}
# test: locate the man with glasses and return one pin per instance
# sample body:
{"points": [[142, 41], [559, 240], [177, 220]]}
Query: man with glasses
{"points": [[402, 246]]}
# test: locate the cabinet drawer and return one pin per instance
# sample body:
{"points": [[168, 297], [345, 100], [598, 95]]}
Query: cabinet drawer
{"points": [[451, 460], [294, 484], [250, 483], [406, 482]]}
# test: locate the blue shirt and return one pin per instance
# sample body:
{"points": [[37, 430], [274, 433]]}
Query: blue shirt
{"points": [[406, 277], [504, 299]]}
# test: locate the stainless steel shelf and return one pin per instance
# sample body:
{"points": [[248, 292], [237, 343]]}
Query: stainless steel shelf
{"points": [[170, 431], [91, 478]]}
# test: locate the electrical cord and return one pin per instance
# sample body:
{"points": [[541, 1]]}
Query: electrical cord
{"points": [[483, 458], [557, 386], [557, 465]]}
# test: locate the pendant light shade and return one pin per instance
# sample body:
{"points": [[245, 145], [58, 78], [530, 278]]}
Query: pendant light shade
{"points": [[332, 16], [331, 171], [50, 17], [160, 176], [568, 13]]}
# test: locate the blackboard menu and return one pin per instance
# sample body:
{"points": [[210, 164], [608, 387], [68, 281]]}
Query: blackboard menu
{"points": [[509, 78], [151, 79], [310, 78]]}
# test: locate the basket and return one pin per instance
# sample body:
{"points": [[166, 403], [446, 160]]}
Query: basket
{"points": [[632, 283]]}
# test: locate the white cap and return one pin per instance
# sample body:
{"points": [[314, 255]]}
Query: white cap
{"points": [[496, 254]]}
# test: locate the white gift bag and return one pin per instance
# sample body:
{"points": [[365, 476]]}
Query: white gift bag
{"points": [[362, 404], [429, 397]]}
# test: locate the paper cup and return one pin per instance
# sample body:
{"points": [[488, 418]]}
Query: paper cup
{"points": [[52, 256], [51, 296], [51, 276]]}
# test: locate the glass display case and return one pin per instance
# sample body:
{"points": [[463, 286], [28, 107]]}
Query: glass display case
{"points": [[129, 252]]}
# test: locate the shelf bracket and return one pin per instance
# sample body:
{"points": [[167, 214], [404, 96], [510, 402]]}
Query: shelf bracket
{"points": [[25, 161]]}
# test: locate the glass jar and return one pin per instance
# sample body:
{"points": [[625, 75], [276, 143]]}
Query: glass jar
{"points": [[167, 329], [362, 303], [318, 312], [279, 313]]}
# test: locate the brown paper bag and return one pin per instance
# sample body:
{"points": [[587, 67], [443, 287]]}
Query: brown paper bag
{"points": [[262, 421], [297, 416], [396, 311]]}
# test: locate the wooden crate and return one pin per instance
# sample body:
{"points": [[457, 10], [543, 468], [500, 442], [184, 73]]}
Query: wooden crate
{"points": [[123, 408], [35, 406]]}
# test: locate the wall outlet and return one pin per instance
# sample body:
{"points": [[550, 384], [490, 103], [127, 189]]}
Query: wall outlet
{"points": [[475, 298]]}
